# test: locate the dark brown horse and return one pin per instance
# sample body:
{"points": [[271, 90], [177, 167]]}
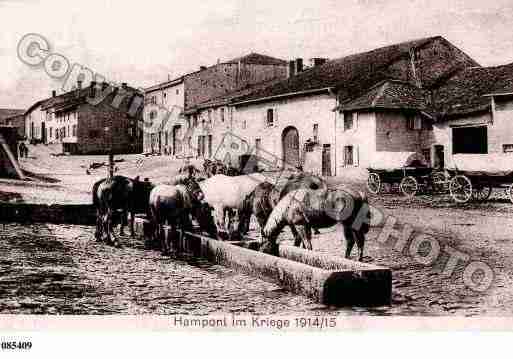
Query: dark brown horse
{"points": [[114, 198], [173, 204], [302, 209], [266, 196]]}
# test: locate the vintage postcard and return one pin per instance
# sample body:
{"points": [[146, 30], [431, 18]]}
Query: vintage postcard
{"points": [[260, 166]]}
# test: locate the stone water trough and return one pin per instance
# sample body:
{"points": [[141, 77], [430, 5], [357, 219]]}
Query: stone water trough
{"points": [[328, 279]]}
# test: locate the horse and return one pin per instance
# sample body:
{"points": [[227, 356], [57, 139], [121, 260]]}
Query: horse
{"points": [[321, 208], [266, 196], [226, 194], [173, 204], [118, 193]]}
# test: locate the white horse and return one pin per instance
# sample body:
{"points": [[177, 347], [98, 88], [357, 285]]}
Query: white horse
{"points": [[226, 194]]}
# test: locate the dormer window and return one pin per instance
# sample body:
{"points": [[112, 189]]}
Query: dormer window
{"points": [[349, 119]]}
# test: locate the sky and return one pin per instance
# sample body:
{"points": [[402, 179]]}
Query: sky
{"points": [[145, 42]]}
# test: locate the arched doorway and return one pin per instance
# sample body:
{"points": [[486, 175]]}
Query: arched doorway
{"points": [[290, 143], [177, 139]]}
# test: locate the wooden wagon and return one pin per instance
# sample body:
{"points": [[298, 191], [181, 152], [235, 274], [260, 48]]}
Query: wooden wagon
{"points": [[409, 170], [473, 176]]}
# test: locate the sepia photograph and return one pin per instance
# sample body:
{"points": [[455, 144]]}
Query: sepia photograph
{"points": [[255, 165]]}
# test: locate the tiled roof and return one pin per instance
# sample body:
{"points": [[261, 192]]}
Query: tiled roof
{"points": [[504, 84], [257, 59], [389, 94], [9, 112], [464, 93], [71, 98], [352, 75], [231, 96]]}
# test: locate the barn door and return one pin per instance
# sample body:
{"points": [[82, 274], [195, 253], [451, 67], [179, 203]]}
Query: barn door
{"points": [[290, 139]]}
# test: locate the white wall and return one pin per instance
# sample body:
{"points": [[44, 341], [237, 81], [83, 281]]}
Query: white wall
{"points": [[300, 112]]}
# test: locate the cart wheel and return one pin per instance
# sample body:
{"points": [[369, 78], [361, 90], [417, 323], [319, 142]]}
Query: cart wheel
{"points": [[482, 193], [510, 193], [440, 182], [409, 186], [374, 183], [461, 189]]}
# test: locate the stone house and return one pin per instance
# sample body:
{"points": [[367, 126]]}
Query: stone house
{"points": [[331, 119], [176, 133], [473, 114], [95, 119]]}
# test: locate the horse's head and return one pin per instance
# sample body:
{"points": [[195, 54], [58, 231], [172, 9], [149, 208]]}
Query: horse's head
{"points": [[194, 189]]}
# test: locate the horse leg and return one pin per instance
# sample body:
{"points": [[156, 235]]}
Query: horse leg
{"points": [[305, 235], [123, 222], [360, 242], [98, 232], [298, 241], [349, 235], [219, 220], [164, 239], [132, 221]]}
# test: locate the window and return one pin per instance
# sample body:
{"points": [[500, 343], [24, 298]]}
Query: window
{"points": [[316, 132], [348, 156], [349, 119], [164, 95], [507, 147], [177, 92], [258, 144], [470, 139], [270, 118], [222, 114], [426, 152], [210, 116], [51, 132], [74, 130], [209, 146], [94, 133], [153, 114], [195, 121], [413, 122], [244, 124]]}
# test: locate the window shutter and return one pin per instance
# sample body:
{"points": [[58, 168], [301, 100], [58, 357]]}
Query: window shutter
{"points": [[343, 156], [356, 157], [275, 124], [417, 123]]}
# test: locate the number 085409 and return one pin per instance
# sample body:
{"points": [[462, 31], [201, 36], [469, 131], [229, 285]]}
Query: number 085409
{"points": [[14, 345]]}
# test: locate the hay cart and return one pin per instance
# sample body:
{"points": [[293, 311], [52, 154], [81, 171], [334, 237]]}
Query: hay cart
{"points": [[474, 176], [409, 170]]}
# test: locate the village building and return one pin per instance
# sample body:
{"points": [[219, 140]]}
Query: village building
{"points": [[96, 119], [332, 119], [163, 109], [473, 111], [169, 131], [13, 118]]}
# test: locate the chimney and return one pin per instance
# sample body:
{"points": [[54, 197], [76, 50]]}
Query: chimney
{"points": [[54, 93], [318, 61], [292, 68], [79, 88], [299, 65], [92, 89], [203, 68]]}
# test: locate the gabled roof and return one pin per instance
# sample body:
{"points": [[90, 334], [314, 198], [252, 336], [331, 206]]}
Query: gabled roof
{"points": [[352, 75], [9, 112], [465, 92], [389, 94], [257, 59], [504, 84], [71, 98]]}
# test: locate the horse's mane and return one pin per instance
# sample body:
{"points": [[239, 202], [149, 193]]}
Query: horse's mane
{"points": [[180, 179]]}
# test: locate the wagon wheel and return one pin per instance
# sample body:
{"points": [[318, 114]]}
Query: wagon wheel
{"points": [[461, 189], [510, 192], [481, 192], [374, 183], [409, 186], [439, 181]]}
